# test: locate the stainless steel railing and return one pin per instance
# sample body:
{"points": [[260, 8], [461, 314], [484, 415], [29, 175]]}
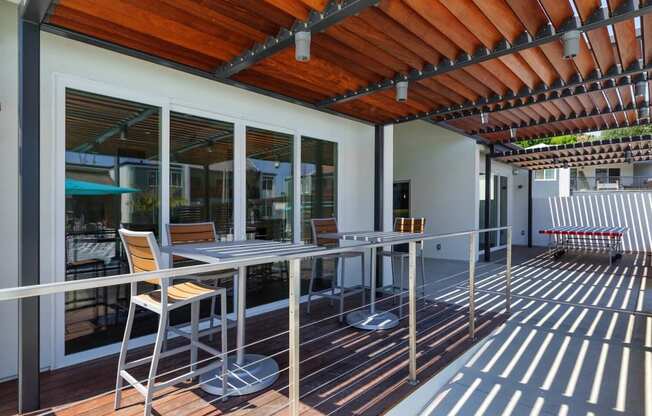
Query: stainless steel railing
{"points": [[294, 260]]}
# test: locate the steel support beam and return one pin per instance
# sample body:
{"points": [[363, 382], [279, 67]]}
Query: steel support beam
{"points": [[29, 214], [35, 11], [334, 13], [562, 118], [529, 208], [601, 18], [527, 97], [487, 202]]}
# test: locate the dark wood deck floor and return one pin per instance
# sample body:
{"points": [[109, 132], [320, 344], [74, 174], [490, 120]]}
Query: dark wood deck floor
{"points": [[344, 372]]}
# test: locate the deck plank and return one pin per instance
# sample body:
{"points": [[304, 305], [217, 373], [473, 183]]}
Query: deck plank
{"points": [[351, 372]]}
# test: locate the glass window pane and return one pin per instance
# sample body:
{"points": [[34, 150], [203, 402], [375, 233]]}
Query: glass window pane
{"points": [[269, 185], [112, 178], [318, 181], [201, 172], [269, 209]]}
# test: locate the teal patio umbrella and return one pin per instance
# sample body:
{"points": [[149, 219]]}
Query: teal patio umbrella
{"points": [[75, 187]]}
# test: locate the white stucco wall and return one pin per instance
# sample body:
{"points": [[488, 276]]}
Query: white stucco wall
{"points": [[8, 184], [442, 167], [73, 60]]}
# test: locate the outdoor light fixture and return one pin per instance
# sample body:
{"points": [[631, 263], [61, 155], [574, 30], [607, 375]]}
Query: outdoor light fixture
{"points": [[644, 112], [565, 165], [123, 133], [401, 91], [571, 41], [640, 89], [302, 46], [512, 132], [484, 117]]}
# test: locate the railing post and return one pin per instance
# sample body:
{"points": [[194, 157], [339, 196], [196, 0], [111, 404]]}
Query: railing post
{"points": [[295, 295], [412, 304], [508, 273], [472, 258]]}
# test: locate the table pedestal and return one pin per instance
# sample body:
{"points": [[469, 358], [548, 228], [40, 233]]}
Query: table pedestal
{"points": [[255, 373], [372, 319]]}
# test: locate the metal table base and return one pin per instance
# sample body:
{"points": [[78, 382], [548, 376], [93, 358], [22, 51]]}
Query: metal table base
{"points": [[255, 373]]}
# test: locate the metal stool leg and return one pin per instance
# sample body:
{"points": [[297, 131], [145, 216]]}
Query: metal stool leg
{"points": [[151, 380], [363, 284], [423, 276], [194, 336], [341, 284], [123, 354], [225, 347], [394, 285], [312, 282], [400, 296], [212, 315]]}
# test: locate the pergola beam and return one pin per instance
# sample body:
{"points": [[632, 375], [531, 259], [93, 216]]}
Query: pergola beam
{"points": [[592, 162], [317, 22], [564, 117], [601, 18], [529, 98], [603, 127]]}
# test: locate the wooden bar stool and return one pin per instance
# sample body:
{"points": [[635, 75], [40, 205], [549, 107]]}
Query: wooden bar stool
{"points": [[406, 225], [144, 256], [200, 232], [329, 225]]}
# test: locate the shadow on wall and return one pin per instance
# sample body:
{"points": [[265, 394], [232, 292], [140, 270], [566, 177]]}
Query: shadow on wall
{"points": [[619, 209]]}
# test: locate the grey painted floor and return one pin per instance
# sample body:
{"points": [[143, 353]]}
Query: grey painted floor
{"points": [[578, 342]]}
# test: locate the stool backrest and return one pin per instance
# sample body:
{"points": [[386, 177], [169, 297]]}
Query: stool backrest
{"points": [[142, 252], [187, 233], [322, 226], [410, 225]]}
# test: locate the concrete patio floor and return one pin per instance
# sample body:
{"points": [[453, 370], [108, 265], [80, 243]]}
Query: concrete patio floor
{"points": [[578, 342]]}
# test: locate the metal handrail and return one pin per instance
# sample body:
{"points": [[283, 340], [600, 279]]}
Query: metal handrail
{"points": [[22, 292], [295, 290]]}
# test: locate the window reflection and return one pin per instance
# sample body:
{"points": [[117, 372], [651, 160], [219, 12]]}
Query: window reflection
{"points": [[112, 178], [318, 182], [201, 172], [269, 185]]}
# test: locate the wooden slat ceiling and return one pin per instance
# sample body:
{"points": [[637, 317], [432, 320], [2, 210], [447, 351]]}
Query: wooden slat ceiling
{"points": [[599, 152], [395, 37]]}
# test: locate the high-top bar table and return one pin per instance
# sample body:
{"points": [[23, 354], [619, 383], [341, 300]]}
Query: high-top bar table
{"points": [[373, 318], [249, 373]]}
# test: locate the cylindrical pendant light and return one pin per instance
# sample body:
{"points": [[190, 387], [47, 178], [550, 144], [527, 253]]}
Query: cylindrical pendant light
{"points": [[402, 91], [571, 41], [302, 46]]}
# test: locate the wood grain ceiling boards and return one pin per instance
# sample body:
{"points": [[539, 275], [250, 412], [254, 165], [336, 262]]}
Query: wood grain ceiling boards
{"points": [[393, 38]]}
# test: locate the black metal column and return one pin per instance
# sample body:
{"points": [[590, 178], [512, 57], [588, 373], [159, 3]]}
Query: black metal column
{"points": [[379, 172], [487, 202], [529, 208], [29, 256]]}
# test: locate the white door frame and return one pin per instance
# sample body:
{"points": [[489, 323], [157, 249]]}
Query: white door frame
{"points": [[54, 232]]}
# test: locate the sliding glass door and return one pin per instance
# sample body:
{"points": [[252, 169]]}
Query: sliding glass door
{"points": [[498, 205], [138, 166], [112, 178]]}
